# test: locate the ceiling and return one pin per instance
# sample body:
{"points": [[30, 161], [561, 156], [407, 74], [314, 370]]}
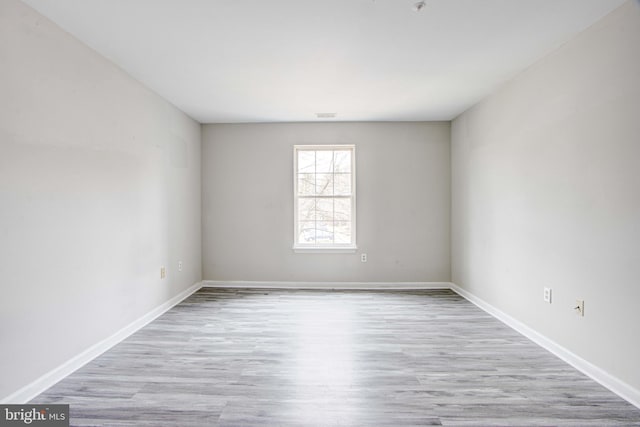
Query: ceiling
{"points": [[286, 60]]}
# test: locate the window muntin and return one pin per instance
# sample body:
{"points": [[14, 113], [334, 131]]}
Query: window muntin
{"points": [[324, 197]]}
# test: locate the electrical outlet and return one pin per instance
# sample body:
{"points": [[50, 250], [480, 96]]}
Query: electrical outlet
{"points": [[179, 265], [579, 308], [547, 295], [163, 273], [363, 257]]}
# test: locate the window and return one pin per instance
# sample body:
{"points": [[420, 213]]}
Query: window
{"points": [[324, 197]]}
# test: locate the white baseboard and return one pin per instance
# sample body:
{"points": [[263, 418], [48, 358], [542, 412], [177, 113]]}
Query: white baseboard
{"points": [[607, 380], [28, 392], [326, 285]]}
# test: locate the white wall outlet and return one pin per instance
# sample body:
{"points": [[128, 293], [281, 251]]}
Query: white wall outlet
{"points": [[579, 308], [547, 295], [179, 265], [363, 257], [163, 272]]}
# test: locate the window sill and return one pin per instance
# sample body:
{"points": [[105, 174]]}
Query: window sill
{"points": [[325, 249]]}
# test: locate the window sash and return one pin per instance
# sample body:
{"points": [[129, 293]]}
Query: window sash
{"points": [[350, 224]]}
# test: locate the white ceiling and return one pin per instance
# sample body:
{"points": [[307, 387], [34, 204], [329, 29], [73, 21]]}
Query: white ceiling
{"points": [[285, 60]]}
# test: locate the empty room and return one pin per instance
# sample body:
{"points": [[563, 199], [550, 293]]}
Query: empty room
{"points": [[320, 213]]}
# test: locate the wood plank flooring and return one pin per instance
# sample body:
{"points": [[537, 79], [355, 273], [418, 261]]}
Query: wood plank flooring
{"points": [[230, 357]]}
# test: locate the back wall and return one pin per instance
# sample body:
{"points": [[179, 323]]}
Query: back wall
{"points": [[403, 202]]}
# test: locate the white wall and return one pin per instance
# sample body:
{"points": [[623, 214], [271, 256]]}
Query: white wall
{"points": [[403, 200], [99, 187], [546, 192]]}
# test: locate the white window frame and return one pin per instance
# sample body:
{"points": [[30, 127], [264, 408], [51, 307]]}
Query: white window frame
{"points": [[325, 248]]}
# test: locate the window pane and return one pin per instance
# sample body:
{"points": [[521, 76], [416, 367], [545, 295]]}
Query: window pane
{"points": [[324, 232], [306, 161], [306, 184], [307, 232], [342, 232], [306, 209], [324, 203], [342, 184], [324, 184], [342, 210], [324, 161], [324, 209], [342, 161]]}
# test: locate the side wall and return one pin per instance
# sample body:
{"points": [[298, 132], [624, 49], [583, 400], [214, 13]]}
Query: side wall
{"points": [[403, 201], [546, 193], [99, 187]]}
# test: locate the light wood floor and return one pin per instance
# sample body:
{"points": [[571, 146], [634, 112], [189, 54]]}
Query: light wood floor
{"points": [[332, 358]]}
